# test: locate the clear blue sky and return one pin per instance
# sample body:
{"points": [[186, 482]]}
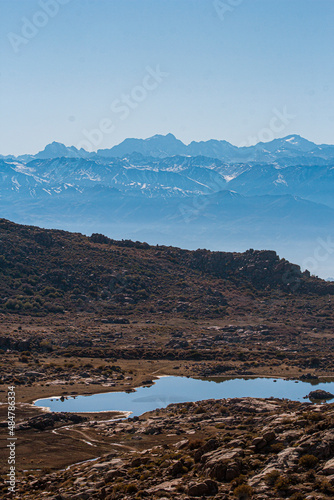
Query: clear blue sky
{"points": [[226, 73]]}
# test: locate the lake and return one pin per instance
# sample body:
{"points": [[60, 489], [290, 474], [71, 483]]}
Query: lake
{"points": [[171, 389]]}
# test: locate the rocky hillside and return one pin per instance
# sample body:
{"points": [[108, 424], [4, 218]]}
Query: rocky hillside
{"points": [[45, 271], [225, 449]]}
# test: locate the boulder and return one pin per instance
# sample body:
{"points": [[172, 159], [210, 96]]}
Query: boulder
{"points": [[198, 490], [328, 468], [322, 448], [113, 473], [136, 462], [166, 486], [210, 445], [222, 464], [320, 394], [176, 468], [181, 444], [205, 488], [49, 420], [285, 460], [259, 443], [212, 485], [269, 436], [232, 472]]}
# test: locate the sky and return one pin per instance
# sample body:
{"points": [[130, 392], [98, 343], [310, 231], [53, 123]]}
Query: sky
{"points": [[91, 73]]}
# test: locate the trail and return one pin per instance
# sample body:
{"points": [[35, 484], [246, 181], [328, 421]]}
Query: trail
{"points": [[91, 441]]}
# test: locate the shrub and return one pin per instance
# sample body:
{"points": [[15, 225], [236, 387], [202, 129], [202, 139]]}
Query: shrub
{"points": [[314, 417], [55, 308], [326, 487], [277, 447], [308, 461], [272, 477], [297, 496], [199, 410], [46, 345], [27, 289], [197, 443], [243, 492], [282, 484], [13, 304], [239, 480], [131, 488], [3, 262]]}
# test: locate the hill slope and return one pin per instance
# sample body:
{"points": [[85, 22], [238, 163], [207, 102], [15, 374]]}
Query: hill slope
{"points": [[49, 271]]}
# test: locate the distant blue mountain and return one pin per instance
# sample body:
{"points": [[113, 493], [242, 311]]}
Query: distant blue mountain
{"points": [[163, 146], [207, 194], [158, 145], [57, 150]]}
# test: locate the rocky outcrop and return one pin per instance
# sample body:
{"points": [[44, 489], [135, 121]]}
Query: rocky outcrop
{"points": [[50, 420], [208, 487], [319, 444], [329, 467], [223, 464], [320, 394], [215, 448]]}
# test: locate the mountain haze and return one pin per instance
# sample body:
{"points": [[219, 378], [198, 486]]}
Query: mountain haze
{"points": [[207, 194]]}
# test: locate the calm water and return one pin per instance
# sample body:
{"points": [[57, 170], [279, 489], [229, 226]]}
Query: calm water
{"points": [[168, 390]]}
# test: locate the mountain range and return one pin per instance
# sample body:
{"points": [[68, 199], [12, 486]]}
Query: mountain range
{"points": [[207, 194], [160, 146]]}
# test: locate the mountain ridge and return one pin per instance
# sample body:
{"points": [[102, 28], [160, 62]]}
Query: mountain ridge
{"points": [[162, 146], [182, 200], [96, 273]]}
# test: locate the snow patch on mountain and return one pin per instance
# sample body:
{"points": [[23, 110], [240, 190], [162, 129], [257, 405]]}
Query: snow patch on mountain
{"points": [[280, 180]]}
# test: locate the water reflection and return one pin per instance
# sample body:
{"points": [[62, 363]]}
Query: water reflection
{"points": [[167, 390]]}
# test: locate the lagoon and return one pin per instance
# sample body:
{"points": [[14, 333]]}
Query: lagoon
{"points": [[170, 389]]}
